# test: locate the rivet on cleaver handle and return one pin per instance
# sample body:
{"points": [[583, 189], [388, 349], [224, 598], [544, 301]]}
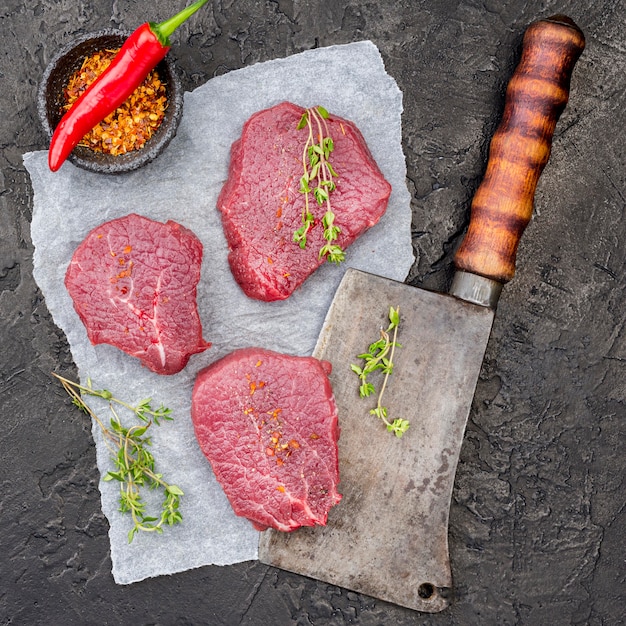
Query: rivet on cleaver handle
{"points": [[502, 206]]}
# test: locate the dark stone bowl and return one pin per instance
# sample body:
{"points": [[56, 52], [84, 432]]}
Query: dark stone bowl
{"points": [[50, 103]]}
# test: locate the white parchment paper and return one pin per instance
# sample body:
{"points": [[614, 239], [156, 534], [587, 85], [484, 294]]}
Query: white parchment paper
{"points": [[183, 185]]}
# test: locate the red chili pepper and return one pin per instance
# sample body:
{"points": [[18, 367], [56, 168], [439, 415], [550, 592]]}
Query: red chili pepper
{"points": [[139, 55]]}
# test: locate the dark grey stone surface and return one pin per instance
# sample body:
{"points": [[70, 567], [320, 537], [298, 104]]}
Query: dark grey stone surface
{"points": [[538, 515]]}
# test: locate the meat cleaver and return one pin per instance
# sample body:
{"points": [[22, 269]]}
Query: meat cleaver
{"points": [[388, 537]]}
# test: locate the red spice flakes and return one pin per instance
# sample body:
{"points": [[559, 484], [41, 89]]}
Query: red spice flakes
{"points": [[130, 125], [279, 214], [314, 436], [280, 488], [275, 413], [125, 273], [275, 436], [277, 448], [256, 385]]}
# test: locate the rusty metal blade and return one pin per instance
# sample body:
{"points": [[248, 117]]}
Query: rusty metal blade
{"points": [[388, 537]]}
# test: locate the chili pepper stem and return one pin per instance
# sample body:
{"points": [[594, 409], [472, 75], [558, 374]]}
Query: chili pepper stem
{"points": [[164, 29]]}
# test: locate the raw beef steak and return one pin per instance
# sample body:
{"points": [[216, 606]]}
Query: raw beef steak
{"points": [[267, 422], [261, 203], [133, 283]]}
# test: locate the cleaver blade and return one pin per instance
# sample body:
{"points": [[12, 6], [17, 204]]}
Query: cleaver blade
{"points": [[388, 537]]}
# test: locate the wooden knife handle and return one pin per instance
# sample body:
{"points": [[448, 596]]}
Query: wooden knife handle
{"points": [[535, 98]]}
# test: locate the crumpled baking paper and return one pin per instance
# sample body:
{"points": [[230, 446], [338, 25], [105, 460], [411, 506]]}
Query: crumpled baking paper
{"points": [[183, 185]]}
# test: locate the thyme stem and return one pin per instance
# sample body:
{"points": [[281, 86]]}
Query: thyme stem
{"points": [[317, 178], [387, 370], [376, 359], [133, 461]]}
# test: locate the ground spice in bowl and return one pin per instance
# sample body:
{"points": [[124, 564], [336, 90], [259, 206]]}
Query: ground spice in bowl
{"points": [[52, 102], [130, 125]]}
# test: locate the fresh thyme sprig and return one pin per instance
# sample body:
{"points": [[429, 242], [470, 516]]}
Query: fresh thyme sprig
{"points": [[317, 179], [134, 463], [380, 357]]}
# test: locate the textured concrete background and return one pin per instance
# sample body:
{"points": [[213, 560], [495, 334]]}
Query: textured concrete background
{"points": [[538, 514]]}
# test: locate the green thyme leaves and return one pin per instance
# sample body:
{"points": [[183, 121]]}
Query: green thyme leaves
{"points": [[379, 357], [134, 463], [317, 180]]}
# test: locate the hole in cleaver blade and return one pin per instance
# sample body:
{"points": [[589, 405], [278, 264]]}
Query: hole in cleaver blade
{"points": [[388, 537]]}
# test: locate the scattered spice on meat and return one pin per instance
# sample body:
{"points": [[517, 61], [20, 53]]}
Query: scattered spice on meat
{"points": [[280, 449], [131, 124], [274, 413], [269, 428], [254, 385]]}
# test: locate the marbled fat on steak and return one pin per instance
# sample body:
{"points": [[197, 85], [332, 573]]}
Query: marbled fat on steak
{"points": [[133, 283], [267, 422], [261, 204]]}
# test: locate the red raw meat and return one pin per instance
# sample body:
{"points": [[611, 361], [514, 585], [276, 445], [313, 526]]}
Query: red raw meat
{"points": [[267, 422], [261, 204], [133, 283]]}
